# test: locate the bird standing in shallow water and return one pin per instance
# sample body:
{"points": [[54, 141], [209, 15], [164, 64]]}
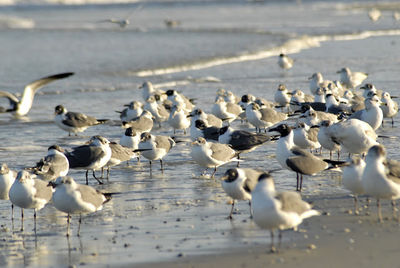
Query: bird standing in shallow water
{"points": [[71, 197]]}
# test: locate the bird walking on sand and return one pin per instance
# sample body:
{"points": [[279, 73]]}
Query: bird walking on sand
{"points": [[238, 184], [278, 210], [379, 181]]}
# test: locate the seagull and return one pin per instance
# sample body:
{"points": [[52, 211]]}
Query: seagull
{"points": [[261, 118], [293, 158], [211, 154], [177, 98], [315, 82], [71, 198], [226, 111], [278, 210], [351, 79], [74, 122], [134, 109], [299, 97], [370, 90], [241, 141], [200, 129], [121, 22], [377, 180], [119, 154], [312, 117], [285, 62], [53, 165], [238, 184], [130, 139], [158, 110], [372, 114], [325, 139], [209, 119], [155, 147], [21, 107], [93, 156], [7, 178], [374, 14], [178, 118], [282, 96], [305, 137], [148, 90], [352, 173], [29, 192], [143, 123], [389, 107], [353, 135]]}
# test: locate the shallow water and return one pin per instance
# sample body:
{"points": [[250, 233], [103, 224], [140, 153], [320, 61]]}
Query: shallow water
{"points": [[230, 45]]}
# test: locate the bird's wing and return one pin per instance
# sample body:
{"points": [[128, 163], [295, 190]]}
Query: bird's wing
{"points": [[11, 97], [291, 202], [74, 119], [91, 195], [83, 156], [163, 142], [222, 152], [43, 191], [244, 140]]}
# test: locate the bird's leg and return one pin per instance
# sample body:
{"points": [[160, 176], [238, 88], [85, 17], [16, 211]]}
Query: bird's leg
{"points": [[297, 182], [97, 179], [230, 214], [238, 162], [251, 210], [87, 180], [280, 239], [34, 219], [273, 249], [184, 131], [68, 223], [301, 182], [79, 225], [162, 167], [12, 212], [330, 155], [394, 209], [392, 122], [102, 172], [356, 205], [338, 154], [108, 173], [215, 170], [22, 219], [378, 204]]}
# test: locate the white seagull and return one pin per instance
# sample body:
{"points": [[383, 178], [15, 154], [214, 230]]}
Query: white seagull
{"points": [[22, 107], [377, 180], [72, 198], [29, 192], [211, 154], [278, 210], [351, 79], [352, 173]]}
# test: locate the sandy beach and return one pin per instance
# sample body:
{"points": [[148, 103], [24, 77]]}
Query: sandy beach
{"points": [[178, 218]]}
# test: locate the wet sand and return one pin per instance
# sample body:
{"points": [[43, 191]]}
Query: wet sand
{"points": [[337, 238]]}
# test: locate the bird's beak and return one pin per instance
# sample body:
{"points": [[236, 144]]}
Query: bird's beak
{"points": [[315, 126], [52, 184], [224, 178], [394, 97]]}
